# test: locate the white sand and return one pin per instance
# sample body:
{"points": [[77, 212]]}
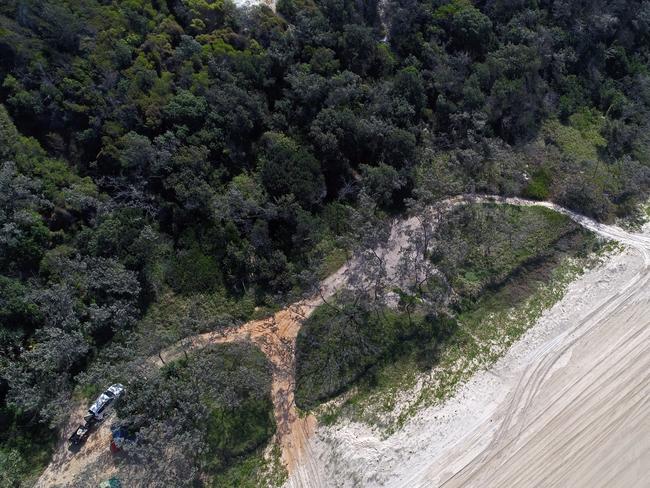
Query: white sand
{"points": [[568, 404]]}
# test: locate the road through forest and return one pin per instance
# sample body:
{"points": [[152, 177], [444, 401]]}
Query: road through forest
{"points": [[550, 426]]}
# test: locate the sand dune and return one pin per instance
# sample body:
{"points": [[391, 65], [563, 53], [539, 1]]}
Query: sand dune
{"points": [[568, 405]]}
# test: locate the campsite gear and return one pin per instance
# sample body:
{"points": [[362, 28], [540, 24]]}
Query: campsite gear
{"points": [[111, 483], [120, 437]]}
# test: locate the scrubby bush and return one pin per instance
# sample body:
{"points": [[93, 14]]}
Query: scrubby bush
{"points": [[337, 345], [480, 246], [194, 148], [211, 406]]}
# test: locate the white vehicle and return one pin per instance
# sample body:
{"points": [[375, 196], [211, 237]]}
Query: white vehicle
{"points": [[96, 413], [97, 409]]}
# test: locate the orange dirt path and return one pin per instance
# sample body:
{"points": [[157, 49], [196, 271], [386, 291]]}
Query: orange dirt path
{"points": [[276, 337]]}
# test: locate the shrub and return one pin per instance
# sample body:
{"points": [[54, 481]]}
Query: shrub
{"points": [[480, 246], [215, 402], [192, 271], [539, 186], [335, 347]]}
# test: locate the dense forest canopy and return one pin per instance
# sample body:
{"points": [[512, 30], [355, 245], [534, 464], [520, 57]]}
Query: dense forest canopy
{"points": [[156, 151]]}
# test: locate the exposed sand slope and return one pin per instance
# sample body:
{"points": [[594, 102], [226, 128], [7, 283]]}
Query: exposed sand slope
{"points": [[358, 456], [65, 464], [568, 405]]}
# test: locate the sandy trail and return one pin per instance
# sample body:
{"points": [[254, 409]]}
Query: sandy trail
{"points": [[276, 338], [65, 465], [568, 405], [312, 461]]}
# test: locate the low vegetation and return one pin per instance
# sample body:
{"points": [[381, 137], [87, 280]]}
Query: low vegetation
{"points": [[480, 246], [402, 387], [263, 469], [337, 346], [495, 258], [207, 412]]}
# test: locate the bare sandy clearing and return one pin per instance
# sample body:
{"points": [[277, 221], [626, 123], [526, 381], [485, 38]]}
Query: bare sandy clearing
{"points": [[66, 464]]}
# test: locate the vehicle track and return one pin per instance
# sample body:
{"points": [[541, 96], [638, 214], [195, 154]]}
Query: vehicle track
{"points": [[528, 387], [468, 475], [529, 384], [276, 337], [493, 464]]}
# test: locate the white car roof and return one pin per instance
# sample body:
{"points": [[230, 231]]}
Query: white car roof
{"points": [[115, 390]]}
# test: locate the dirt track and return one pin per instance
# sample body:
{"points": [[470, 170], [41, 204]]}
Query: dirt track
{"points": [[568, 406], [583, 423], [276, 337], [306, 461]]}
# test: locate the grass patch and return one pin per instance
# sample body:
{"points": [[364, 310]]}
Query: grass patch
{"points": [[175, 316], [581, 138], [539, 187], [335, 349], [332, 261], [257, 471], [480, 246]]}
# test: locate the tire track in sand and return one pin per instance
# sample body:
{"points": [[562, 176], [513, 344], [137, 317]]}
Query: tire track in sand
{"points": [[276, 337], [530, 383]]}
